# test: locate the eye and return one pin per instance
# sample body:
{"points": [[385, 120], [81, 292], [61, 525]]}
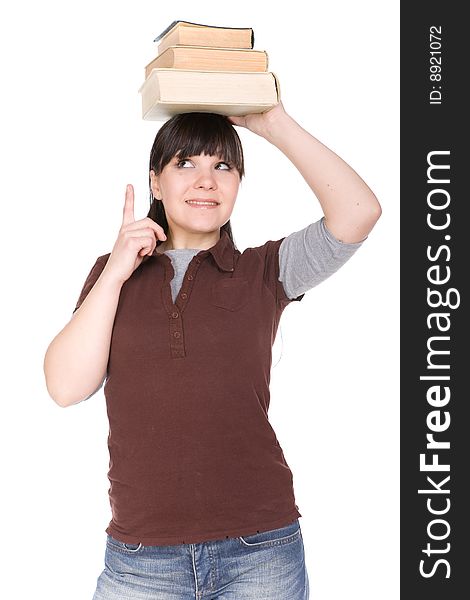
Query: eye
{"points": [[183, 160], [226, 164], [180, 162]]}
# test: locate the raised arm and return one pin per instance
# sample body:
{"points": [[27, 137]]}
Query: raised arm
{"points": [[350, 207], [75, 363]]}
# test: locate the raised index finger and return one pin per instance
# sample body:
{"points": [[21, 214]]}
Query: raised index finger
{"points": [[128, 212]]}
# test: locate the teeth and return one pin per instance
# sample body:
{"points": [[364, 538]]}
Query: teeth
{"points": [[201, 203]]}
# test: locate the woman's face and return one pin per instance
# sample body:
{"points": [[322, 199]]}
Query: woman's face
{"points": [[201, 177]]}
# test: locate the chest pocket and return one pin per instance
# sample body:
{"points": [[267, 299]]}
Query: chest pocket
{"points": [[230, 293]]}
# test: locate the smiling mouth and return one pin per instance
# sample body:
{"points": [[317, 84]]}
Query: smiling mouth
{"points": [[202, 203]]}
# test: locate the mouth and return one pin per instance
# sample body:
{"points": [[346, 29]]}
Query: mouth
{"points": [[204, 204]]}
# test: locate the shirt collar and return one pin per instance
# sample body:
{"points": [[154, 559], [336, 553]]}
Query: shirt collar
{"points": [[222, 251]]}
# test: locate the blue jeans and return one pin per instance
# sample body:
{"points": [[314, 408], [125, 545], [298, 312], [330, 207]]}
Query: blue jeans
{"points": [[268, 566]]}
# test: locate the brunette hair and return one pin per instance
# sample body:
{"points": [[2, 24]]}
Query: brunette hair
{"points": [[191, 134]]}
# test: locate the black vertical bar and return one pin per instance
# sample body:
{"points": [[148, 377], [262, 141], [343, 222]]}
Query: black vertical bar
{"points": [[434, 262]]}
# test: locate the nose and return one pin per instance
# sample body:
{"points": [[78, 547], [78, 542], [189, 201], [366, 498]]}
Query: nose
{"points": [[205, 179]]}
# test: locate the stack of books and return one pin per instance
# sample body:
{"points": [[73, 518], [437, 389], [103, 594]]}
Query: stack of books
{"points": [[206, 68]]}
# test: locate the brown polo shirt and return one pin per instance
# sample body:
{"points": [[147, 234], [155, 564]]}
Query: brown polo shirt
{"points": [[193, 456]]}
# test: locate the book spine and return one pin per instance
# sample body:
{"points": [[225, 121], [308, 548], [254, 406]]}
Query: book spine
{"points": [[166, 30], [278, 87]]}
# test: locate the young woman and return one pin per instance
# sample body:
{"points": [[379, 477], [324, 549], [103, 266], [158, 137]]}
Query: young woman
{"points": [[180, 324]]}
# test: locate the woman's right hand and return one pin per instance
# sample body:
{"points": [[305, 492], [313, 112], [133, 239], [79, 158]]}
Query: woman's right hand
{"points": [[135, 240]]}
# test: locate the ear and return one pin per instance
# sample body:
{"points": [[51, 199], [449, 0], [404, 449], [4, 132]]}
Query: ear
{"points": [[154, 184]]}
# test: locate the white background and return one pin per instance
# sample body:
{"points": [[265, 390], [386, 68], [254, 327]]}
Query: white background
{"points": [[72, 137]]}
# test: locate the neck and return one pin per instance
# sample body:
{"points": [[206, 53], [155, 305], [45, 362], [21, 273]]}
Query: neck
{"points": [[185, 239]]}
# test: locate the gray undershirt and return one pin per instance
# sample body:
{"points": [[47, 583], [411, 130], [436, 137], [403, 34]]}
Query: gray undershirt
{"points": [[306, 258]]}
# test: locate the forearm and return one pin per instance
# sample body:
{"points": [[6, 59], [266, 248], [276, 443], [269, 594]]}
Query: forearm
{"points": [[349, 205], [76, 360]]}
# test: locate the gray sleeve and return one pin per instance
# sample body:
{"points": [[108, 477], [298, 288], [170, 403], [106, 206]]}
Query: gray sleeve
{"points": [[307, 257]]}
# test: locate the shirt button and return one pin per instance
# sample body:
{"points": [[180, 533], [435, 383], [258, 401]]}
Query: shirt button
{"points": [[190, 277], [184, 295], [174, 315], [177, 334]]}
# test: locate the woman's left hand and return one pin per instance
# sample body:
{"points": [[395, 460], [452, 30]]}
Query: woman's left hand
{"points": [[260, 123]]}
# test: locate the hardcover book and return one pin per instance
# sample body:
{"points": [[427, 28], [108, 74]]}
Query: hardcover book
{"points": [[166, 92], [210, 59], [198, 34]]}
